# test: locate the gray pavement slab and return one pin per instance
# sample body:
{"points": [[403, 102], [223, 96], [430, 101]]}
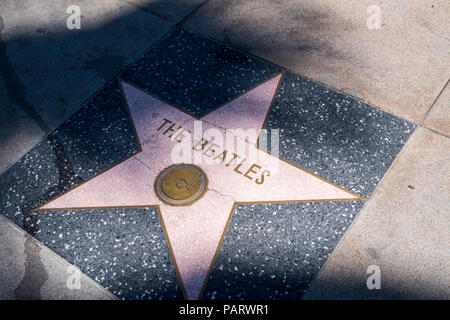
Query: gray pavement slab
{"points": [[270, 251]]}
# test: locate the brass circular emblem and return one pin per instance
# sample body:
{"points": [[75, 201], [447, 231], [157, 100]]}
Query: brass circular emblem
{"points": [[181, 184]]}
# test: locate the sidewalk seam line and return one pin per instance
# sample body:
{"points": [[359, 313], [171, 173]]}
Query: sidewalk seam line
{"points": [[92, 95], [434, 102]]}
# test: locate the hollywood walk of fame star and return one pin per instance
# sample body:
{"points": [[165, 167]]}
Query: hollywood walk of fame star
{"points": [[195, 202]]}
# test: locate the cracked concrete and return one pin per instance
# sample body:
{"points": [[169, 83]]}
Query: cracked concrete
{"points": [[174, 10]]}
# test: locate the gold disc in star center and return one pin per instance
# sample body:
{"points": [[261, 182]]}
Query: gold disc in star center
{"points": [[181, 184]]}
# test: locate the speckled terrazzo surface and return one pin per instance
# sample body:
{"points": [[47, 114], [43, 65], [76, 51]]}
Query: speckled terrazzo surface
{"points": [[270, 251], [93, 139], [273, 251], [343, 140], [195, 74]]}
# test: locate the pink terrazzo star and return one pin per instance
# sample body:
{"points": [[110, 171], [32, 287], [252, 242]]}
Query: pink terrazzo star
{"points": [[195, 231]]}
